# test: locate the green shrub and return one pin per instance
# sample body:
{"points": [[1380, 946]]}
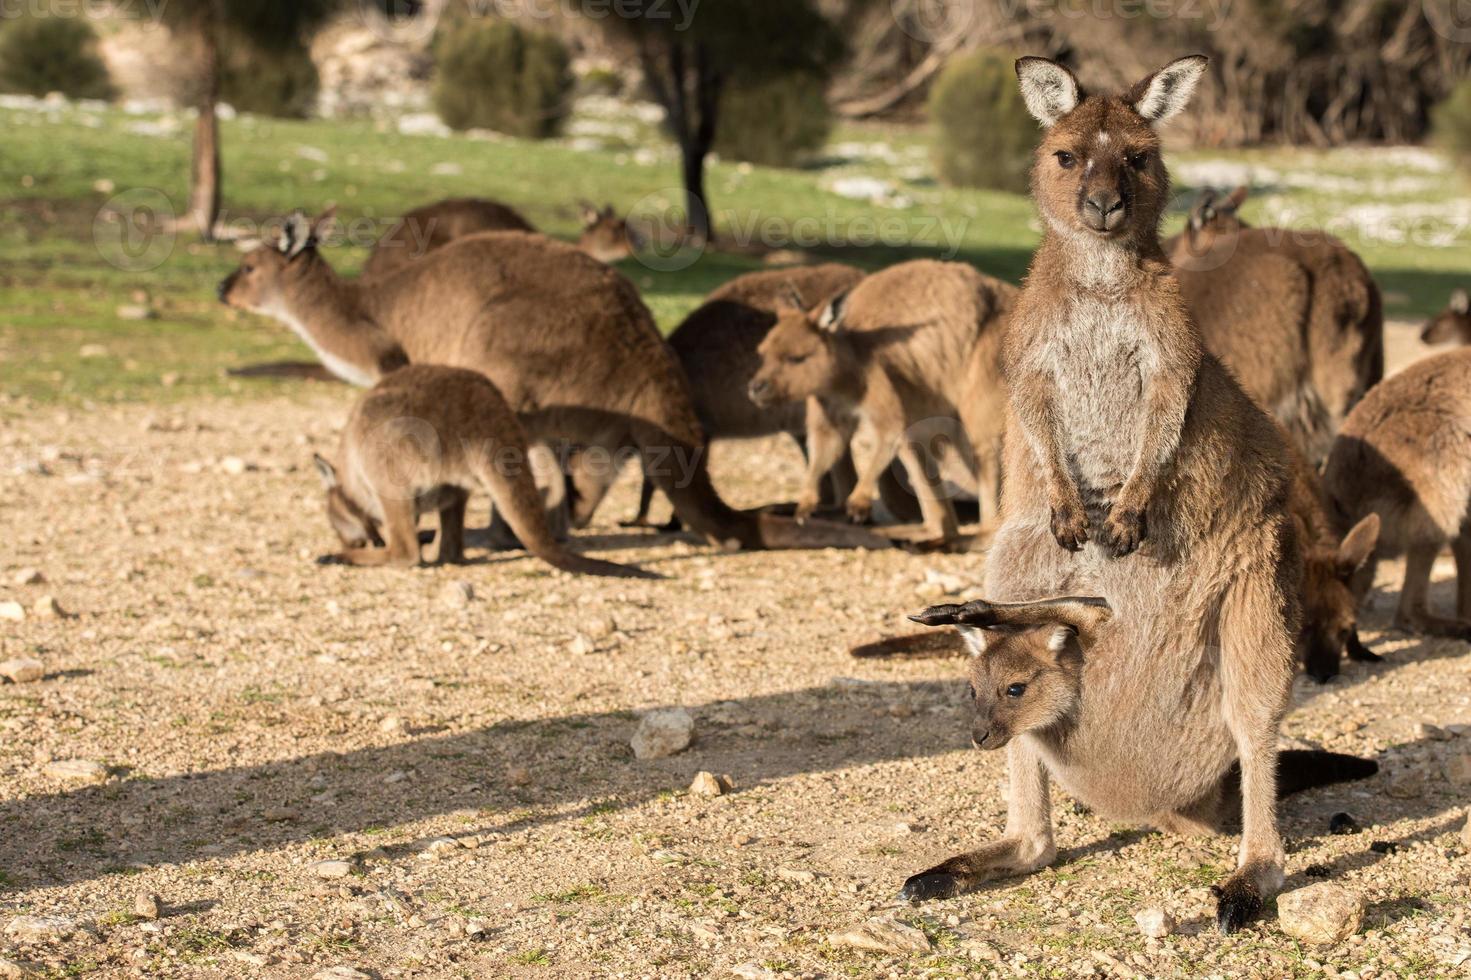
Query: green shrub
{"points": [[1450, 124], [40, 55], [984, 136], [491, 74], [278, 81], [775, 120]]}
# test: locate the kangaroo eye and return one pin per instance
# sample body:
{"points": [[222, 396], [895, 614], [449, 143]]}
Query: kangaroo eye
{"points": [[1138, 160], [1016, 690], [794, 358], [1066, 159]]}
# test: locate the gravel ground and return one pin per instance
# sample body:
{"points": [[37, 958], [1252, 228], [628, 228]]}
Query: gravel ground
{"points": [[464, 764]]}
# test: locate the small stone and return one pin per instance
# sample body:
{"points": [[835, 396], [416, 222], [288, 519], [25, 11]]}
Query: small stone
{"points": [[442, 845], [394, 778], [599, 629], [16, 970], [29, 576], [1458, 770], [1155, 923], [582, 645], [235, 466], [1406, 785], [1459, 731], [331, 869], [392, 724], [456, 595], [136, 311], [883, 934], [279, 814], [41, 928], [518, 776], [475, 929], [1384, 847], [662, 733], [1425, 730], [13, 611], [709, 784], [146, 906], [47, 607], [801, 876], [76, 770], [1322, 914], [22, 670], [1343, 824], [752, 971]]}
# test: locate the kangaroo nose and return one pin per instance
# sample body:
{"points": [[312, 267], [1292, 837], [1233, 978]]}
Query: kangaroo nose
{"points": [[758, 389], [223, 289], [1103, 210]]}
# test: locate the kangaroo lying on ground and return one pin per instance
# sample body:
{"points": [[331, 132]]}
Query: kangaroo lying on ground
{"points": [[420, 440], [1404, 454], [1137, 469], [1345, 327], [883, 368], [564, 338], [605, 236], [717, 345], [1121, 729], [1452, 324]]}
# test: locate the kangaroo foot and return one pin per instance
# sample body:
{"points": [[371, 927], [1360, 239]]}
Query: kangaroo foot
{"points": [[1237, 903], [1357, 651], [966, 872]]}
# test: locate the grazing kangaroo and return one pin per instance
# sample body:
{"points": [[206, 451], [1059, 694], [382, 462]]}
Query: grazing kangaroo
{"points": [[605, 236], [1404, 454], [882, 368], [1138, 470], [1452, 324], [1345, 328], [1077, 699], [420, 440], [564, 338], [717, 346]]}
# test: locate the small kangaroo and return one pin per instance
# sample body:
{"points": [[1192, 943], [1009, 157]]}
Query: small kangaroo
{"points": [[605, 236], [565, 338], [420, 440], [1452, 324], [907, 349], [1345, 328], [717, 345], [1404, 454], [1137, 469], [1048, 679]]}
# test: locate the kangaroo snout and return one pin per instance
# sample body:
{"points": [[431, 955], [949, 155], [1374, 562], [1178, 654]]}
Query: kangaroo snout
{"points": [[1104, 210], [223, 289], [759, 391]]}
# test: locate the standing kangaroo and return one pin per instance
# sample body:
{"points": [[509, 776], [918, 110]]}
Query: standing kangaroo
{"points": [[1345, 328], [420, 440], [605, 236], [565, 339], [909, 349], [1404, 454], [1139, 471]]}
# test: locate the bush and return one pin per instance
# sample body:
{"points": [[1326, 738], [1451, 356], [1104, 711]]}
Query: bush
{"points": [[1450, 123], [40, 55], [279, 81], [984, 135], [775, 120], [491, 74]]}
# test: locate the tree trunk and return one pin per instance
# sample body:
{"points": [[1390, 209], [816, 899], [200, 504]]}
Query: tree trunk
{"points": [[693, 157], [205, 173]]}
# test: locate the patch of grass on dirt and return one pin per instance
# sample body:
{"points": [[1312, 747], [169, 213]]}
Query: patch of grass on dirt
{"points": [[579, 893], [532, 957]]}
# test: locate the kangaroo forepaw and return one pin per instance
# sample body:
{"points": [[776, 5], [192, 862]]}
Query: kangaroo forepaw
{"points": [[930, 886], [1237, 903], [860, 509], [1360, 653], [1124, 531], [1070, 526]]}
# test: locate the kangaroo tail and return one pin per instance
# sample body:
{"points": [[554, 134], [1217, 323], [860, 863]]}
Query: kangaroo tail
{"points": [[936, 643], [517, 499], [1299, 769]]}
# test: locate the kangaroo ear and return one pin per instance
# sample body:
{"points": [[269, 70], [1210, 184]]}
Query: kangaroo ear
{"points": [[1236, 199], [1204, 209], [296, 235], [1083, 615], [326, 471], [1167, 91], [589, 212], [830, 320], [791, 298], [323, 225], [1358, 546], [1049, 90], [1460, 302]]}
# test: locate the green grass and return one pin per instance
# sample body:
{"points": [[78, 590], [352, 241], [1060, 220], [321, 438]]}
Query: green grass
{"points": [[61, 340]]}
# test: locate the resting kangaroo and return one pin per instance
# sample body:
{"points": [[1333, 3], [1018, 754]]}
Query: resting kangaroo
{"points": [[565, 339], [1404, 454], [1345, 327], [1138, 470], [1075, 698], [1452, 324], [605, 236], [717, 344], [420, 440], [883, 368]]}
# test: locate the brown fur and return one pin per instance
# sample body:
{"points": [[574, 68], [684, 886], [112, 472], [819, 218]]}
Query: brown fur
{"points": [[565, 338], [1404, 454], [1451, 325], [605, 236], [877, 369], [1123, 432], [1345, 326], [422, 439]]}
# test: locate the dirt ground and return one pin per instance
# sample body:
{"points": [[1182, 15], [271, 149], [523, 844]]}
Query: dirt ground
{"points": [[253, 714]]}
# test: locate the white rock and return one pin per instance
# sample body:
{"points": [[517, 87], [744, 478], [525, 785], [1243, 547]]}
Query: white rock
{"points": [[1322, 914], [391, 724], [146, 906], [47, 607], [752, 971], [29, 576], [457, 594], [331, 869], [663, 732], [802, 876], [76, 770], [41, 928], [1425, 730], [1155, 923], [709, 784], [134, 311], [22, 670], [12, 611], [442, 845], [16, 970], [883, 934], [599, 629], [582, 645], [235, 466]]}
